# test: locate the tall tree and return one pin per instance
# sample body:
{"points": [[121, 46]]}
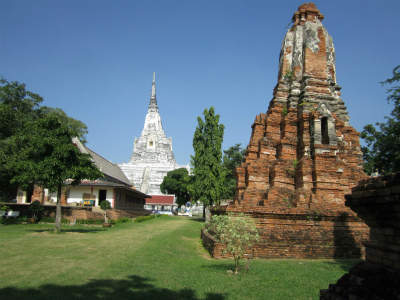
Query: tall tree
{"points": [[232, 158], [176, 182], [207, 185], [382, 153]]}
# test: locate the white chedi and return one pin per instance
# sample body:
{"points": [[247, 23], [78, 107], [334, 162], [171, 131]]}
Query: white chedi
{"points": [[152, 156]]}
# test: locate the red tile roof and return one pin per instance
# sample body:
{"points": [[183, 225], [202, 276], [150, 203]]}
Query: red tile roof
{"points": [[160, 199]]}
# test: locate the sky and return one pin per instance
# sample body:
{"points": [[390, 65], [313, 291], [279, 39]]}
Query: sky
{"points": [[95, 60]]}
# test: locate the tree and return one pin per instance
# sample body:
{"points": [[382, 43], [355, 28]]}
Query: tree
{"points": [[238, 232], [382, 153], [233, 157], [36, 147], [49, 158], [176, 182], [78, 126], [207, 185], [17, 107]]}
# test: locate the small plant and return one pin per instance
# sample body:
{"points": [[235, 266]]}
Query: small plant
{"points": [[238, 232], [3, 209], [104, 205], [289, 204], [288, 75], [292, 171], [284, 111], [35, 208]]}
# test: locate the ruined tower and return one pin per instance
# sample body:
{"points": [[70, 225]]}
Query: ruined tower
{"points": [[152, 156], [303, 155]]}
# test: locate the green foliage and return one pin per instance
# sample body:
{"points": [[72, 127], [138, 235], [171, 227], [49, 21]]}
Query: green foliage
{"points": [[233, 157], [75, 125], [36, 148], [89, 221], [288, 75], [104, 205], [121, 220], [3, 207], [20, 117], [382, 153], [207, 186], [284, 111], [238, 232], [35, 208], [17, 107], [145, 218], [177, 183]]}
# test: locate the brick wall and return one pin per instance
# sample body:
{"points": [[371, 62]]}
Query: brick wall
{"points": [[377, 202]]}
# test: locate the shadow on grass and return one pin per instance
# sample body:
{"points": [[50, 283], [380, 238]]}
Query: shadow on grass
{"points": [[63, 231], [135, 287], [198, 219], [345, 264]]}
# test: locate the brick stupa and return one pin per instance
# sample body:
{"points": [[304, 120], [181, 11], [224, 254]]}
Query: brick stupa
{"points": [[303, 155]]}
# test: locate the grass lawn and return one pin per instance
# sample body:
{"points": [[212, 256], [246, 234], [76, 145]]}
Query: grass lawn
{"points": [[157, 259]]}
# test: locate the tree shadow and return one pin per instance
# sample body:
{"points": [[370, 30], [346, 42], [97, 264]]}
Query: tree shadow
{"points": [[135, 287], [77, 230], [198, 219]]}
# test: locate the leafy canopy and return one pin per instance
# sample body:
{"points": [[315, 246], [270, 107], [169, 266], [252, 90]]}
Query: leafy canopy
{"points": [[36, 147], [233, 157], [177, 183], [382, 153], [24, 123], [207, 185]]}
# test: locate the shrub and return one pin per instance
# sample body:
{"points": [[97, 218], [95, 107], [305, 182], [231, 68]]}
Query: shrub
{"points": [[104, 205], [238, 232], [122, 220], [35, 208], [145, 218]]}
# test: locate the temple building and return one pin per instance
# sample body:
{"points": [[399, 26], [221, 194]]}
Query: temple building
{"points": [[303, 156], [152, 156]]}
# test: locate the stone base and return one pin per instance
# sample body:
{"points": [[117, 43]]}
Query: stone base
{"points": [[303, 236]]}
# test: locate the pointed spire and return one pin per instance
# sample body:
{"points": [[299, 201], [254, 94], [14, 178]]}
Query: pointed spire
{"points": [[153, 99]]}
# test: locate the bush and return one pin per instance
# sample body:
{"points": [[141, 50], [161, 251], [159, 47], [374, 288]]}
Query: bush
{"points": [[238, 232], [122, 220], [89, 221], [36, 209], [145, 218]]}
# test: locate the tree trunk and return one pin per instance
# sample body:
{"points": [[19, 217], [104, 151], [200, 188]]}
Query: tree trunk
{"points": [[57, 227]]}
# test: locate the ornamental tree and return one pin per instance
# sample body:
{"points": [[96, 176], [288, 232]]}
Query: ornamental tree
{"points": [[104, 205], [207, 184], [238, 232]]}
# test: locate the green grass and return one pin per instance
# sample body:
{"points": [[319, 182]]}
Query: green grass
{"points": [[158, 259]]}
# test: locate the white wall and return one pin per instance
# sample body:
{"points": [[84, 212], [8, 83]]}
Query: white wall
{"points": [[76, 194]]}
